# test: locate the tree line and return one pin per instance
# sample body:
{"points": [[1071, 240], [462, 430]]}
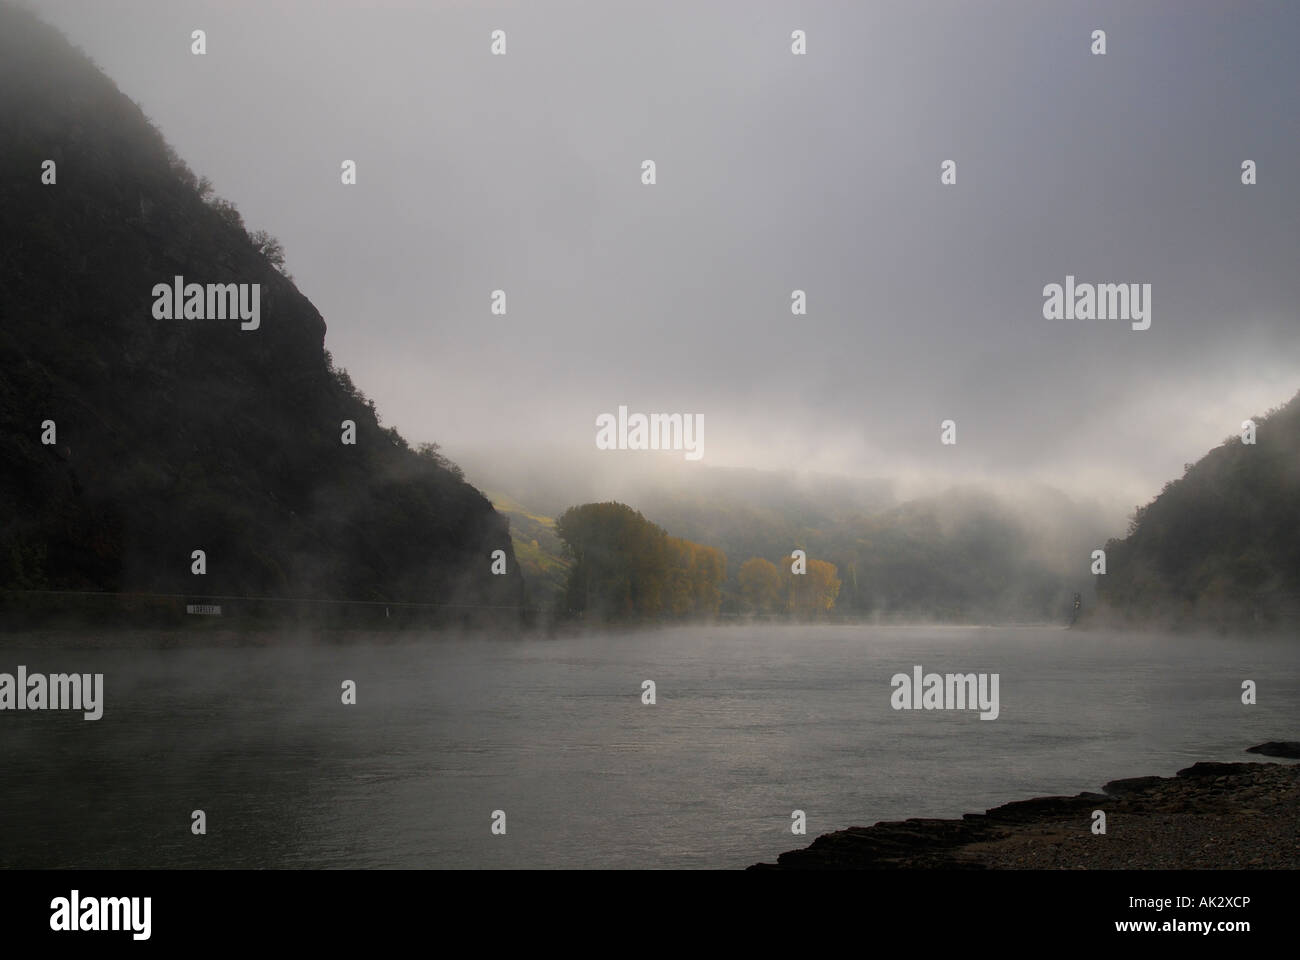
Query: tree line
{"points": [[623, 567]]}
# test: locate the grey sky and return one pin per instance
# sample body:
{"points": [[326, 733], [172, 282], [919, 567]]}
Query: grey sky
{"points": [[775, 172]]}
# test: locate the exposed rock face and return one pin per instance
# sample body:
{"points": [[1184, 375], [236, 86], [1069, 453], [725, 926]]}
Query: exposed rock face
{"points": [[1208, 816], [183, 434]]}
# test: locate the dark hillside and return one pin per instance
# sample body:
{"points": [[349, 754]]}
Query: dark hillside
{"points": [[184, 434], [1221, 544]]}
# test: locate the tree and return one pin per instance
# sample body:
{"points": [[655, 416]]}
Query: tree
{"points": [[432, 453], [625, 567], [227, 211], [813, 593], [760, 585], [269, 247]]}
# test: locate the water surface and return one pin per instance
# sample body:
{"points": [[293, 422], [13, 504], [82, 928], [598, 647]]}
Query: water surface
{"points": [[750, 724]]}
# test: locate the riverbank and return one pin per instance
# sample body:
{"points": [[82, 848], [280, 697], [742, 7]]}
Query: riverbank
{"points": [[1210, 816]]}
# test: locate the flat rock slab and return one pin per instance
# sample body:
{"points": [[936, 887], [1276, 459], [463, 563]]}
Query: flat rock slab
{"points": [[1220, 816], [1278, 748], [1132, 785]]}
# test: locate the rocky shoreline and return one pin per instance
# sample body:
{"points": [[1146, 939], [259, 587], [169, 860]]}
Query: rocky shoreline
{"points": [[1209, 816]]}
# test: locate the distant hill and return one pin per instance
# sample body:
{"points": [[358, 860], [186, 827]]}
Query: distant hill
{"points": [[173, 435], [961, 556], [968, 554], [756, 513], [539, 550], [965, 555], [1220, 545]]}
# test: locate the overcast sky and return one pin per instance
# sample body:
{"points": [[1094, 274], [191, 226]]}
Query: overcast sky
{"points": [[775, 172]]}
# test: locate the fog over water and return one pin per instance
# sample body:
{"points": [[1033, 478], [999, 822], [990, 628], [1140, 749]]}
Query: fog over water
{"points": [[750, 724]]}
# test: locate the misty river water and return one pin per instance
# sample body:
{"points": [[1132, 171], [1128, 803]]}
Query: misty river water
{"points": [[750, 723]]}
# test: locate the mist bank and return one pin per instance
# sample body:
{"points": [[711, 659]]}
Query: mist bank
{"points": [[820, 548], [1217, 549]]}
